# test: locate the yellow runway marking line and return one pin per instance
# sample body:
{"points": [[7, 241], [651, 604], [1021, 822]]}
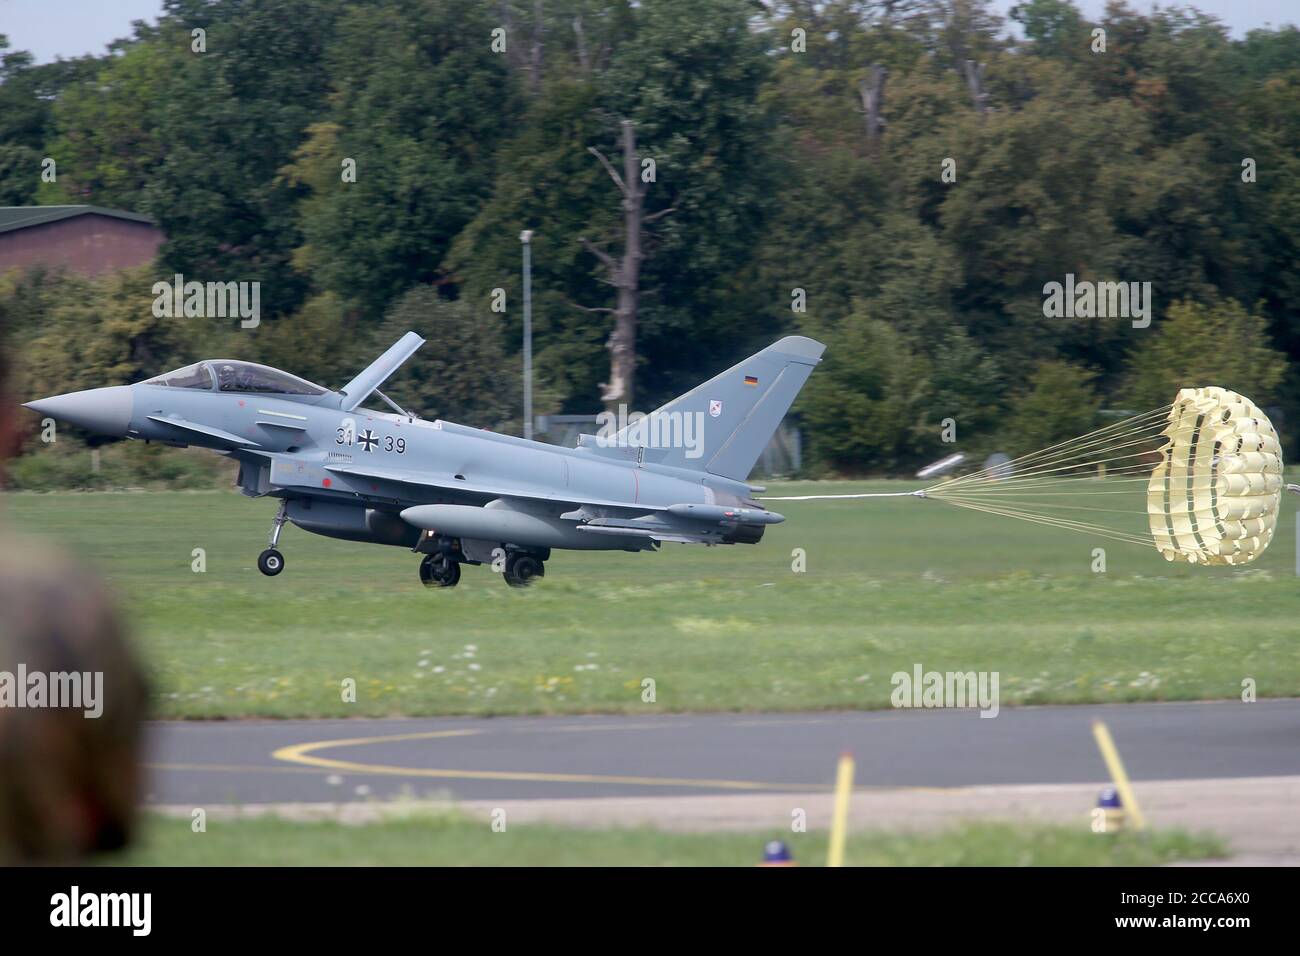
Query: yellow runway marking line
{"points": [[303, 754], [840, 812], [778, 788]]}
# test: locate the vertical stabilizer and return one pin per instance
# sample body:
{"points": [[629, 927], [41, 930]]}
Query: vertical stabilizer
{"points": [[737, 413]]}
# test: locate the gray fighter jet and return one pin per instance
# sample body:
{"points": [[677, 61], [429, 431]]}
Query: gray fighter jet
{"points": [[460, 495]]}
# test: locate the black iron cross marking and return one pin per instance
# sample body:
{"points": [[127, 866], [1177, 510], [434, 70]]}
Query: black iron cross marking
{"points": [[368, 439]]}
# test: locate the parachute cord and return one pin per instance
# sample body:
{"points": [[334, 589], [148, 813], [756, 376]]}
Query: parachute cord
{"points": [[1154, 419], [1181, 465], [881, 494]]}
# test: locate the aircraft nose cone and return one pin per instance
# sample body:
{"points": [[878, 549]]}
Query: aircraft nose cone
{"points": [[105, 411]]}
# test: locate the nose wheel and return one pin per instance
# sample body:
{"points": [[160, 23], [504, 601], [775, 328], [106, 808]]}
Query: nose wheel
{"points": [[439, 571], [270, 562]]}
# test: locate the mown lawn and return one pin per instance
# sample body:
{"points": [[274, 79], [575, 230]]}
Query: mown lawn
{"points": [[453, 841], [889, 583]]}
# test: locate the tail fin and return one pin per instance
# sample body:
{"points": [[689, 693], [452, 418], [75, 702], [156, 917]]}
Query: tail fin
{"points": [[727, 421]]}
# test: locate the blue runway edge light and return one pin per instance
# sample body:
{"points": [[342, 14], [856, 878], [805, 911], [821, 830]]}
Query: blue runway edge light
{"points": [[775, 851]]}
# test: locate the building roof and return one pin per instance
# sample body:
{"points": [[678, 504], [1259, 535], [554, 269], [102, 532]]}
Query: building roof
{"points": [[20, 217]]}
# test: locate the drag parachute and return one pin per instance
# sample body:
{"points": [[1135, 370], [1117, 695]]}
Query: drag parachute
{"points": [[1201, 479], [1213, 497]]}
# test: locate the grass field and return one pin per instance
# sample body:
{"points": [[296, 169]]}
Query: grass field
{"points": [[454, 841], [889, 583]]}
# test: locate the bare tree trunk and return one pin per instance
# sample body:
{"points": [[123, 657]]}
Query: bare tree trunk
{"points": [[512, 53], [624, 274], [583, 58], [622, 344], [535, 59], [974, 75], [526, 58], [873, 102]]}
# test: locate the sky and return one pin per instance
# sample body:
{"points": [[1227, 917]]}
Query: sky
{"points": [[68, 28]]}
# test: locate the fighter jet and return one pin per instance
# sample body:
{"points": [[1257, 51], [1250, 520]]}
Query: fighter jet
{"points": [[459, 495]]}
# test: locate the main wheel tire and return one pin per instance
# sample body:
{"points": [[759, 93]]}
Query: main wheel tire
{"points": [[270, 562], [439, 571], [521, 569]]}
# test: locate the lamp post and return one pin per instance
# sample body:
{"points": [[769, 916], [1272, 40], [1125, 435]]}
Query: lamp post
{"points": [[526, 237]]}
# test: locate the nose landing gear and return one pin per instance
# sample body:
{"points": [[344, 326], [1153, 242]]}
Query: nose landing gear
{"points": [[271, 562]]}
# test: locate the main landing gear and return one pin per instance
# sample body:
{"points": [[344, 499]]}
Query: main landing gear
{"points": [[271, 562], [522, 568], [439, 571], [441, 568]]}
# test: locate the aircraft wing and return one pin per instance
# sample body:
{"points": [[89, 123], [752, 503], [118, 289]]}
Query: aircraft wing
{"points": [[684, 523], [486, 490]]}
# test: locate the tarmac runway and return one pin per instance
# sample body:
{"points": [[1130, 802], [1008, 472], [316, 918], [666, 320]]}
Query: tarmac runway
{"points": [[521, 758]]}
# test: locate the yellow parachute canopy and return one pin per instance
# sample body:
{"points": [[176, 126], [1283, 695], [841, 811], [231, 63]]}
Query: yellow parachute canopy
{"points": [[1213, 498]]}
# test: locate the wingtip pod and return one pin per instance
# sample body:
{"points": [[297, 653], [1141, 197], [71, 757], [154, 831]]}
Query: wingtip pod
{"points": [[1214, 495]]}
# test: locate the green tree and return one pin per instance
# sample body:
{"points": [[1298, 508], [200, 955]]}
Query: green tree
{"points": [[966, 385], [110, 145], [689, 76], [230, 119], [1060, 402], [689, 80], [322, 342], [1055, 26], [1216, 342], [866, 404], [20, 169], [102, 331], [548, 183], [27, 97], [424, 151], [463, 373]]}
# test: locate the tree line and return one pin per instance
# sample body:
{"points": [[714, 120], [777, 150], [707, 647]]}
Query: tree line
{"points": [[901, 179]]}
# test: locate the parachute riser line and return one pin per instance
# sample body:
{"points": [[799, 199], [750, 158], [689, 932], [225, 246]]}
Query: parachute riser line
{"points": [[1210, 461], [920, 493]]}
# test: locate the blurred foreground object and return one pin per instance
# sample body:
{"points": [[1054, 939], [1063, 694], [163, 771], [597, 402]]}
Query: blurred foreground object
{"points": [[72, 699], [69, 781]]}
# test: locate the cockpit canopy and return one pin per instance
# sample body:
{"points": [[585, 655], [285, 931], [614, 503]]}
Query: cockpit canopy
{"points": [[233, 376], [191, 376]]}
